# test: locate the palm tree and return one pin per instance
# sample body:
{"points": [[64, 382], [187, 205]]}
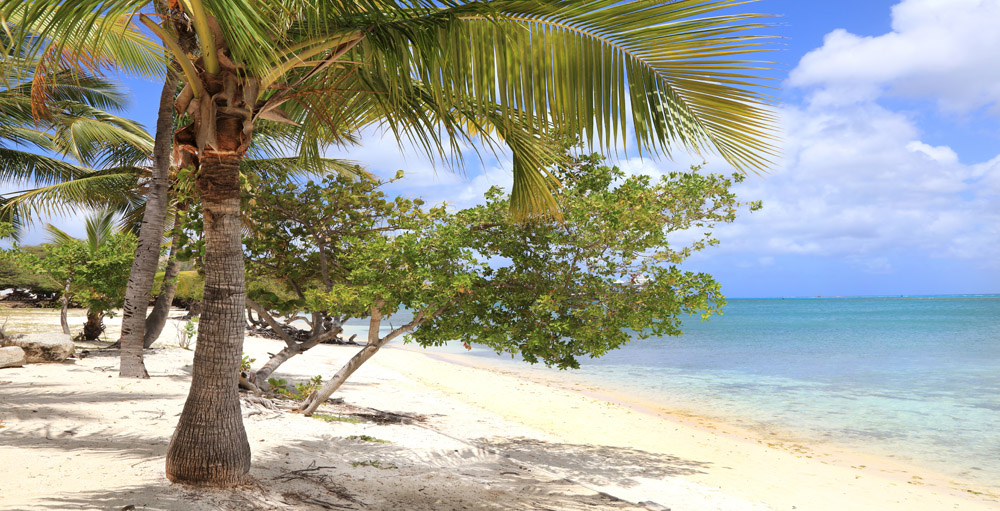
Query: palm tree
{"points": [[673, 74], [96, 42], [78, 127]]}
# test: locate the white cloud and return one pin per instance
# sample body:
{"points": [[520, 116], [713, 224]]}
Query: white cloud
{"points": [[857, 184], [939, 49]]}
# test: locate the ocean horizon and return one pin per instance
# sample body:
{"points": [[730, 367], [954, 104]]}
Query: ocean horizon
{"points": [[912, 378]]}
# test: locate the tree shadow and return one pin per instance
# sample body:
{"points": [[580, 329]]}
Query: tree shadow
{"points": [[341, 472], [126, 445], [162, 496], [23, 402], [595, 464], [333, 472]]}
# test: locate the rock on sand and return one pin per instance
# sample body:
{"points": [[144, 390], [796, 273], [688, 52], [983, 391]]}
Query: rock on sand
{"points": [[50, 347]]}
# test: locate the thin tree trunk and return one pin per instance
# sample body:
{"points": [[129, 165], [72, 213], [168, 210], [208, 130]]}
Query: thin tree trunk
{"points": [[147, 252], [64, 313], [161, 309], [292, 347], [319, 397], [210, 445], [290, 351], [311, 403]]}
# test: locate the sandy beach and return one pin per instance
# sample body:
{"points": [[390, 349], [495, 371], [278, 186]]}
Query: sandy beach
{"points": [[418, 432]]}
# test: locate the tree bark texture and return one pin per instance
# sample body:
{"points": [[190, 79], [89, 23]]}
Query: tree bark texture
{"points": [[94, 326], [161, 309], [147, 252], [210, 444]]}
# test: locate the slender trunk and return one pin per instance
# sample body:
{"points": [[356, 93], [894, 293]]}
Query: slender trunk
{"points": [[290, 351], [319, 397], [63, 314], [210, 445], [161, 309], [276, 360], [311, 403], [292, 347], [147, 252], [94, 326]]}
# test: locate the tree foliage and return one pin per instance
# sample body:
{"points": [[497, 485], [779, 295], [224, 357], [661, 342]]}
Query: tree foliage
{"points": [[553, 292], [549, 291], [94, 272]]}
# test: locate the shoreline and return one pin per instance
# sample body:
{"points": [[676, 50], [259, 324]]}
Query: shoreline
{"points": [[483, 438], [754, 424], [835, 462]]}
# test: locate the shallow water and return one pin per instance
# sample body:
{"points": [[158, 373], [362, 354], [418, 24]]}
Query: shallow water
{"points": [[917, 379]]}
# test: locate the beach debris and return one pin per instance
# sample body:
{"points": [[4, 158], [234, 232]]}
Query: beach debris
{"points": [[12, 356], [258, 405], [313, 475], [246, 384], [41, 348]]}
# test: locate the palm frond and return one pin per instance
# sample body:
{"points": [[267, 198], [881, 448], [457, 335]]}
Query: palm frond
{"points": [[292, 167], [114, 189], [674, 74], [25, 167], [99, 139], [92, 36], [58, 236], [100, 226]]}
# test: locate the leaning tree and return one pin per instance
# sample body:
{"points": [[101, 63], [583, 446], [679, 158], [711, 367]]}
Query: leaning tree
{"points": [[671, 74]]}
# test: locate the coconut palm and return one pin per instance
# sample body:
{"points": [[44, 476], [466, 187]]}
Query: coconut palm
{"points": [[77, 128], [100, 41], [671, 74]]}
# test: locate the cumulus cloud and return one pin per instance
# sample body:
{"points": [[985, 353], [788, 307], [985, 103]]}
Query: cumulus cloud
{"points": [[857, 183], [938, 49]]}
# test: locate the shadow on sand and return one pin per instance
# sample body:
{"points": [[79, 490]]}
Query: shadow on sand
{"points": [[595, 464]]}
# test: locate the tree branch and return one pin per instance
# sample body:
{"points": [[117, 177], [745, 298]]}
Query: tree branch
{"points": [[266, 316]]}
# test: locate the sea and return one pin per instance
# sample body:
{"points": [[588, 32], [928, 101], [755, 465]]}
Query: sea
{"points": [[913, 378]]}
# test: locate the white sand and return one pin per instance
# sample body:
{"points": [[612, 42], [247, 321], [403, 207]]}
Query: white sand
{"points": [[75, 436]]}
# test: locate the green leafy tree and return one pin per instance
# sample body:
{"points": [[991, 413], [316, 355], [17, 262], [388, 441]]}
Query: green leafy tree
{"points": [[92, 272], [299, 250], [547, 290], [673, 73]]}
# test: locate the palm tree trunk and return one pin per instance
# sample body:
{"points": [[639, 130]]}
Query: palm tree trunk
{"points": [[94, 326], [147, 253], [161, 309], [210, 446], [64, 313]]}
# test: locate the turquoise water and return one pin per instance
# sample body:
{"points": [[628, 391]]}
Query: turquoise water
{"points": [[917, 379]]}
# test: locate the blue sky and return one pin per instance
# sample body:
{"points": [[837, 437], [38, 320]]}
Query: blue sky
{"points": [[890, 174]]}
